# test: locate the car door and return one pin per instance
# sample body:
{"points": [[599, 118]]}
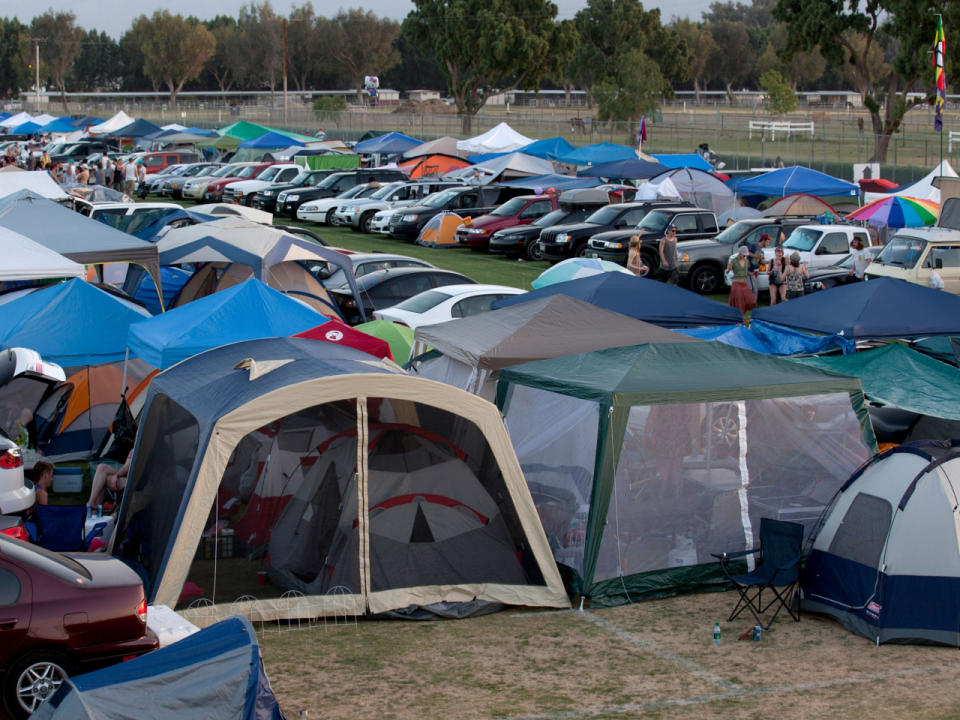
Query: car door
{"points": [[833, 246], [286, 175], [15, 609], [467, 200], [946, 260], [534, 210], [686, 225]]}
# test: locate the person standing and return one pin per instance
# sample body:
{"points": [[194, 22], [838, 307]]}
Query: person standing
{"points": [[101, 173], [635, 262], [129, 178], [796, 273], [118, 169], [669, 258], [83, 175], [141, 173], [42, 481], [861, 258], [741, 296], [778, 271], [45, 161]]}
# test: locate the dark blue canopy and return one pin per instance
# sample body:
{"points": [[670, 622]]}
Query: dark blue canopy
{"points": [[558, 182], [770, 339], [87, 121], [797, 179], [393, 143], [629, 169], [648, 300], [60, 125], [136, 129], [271, 140], [679, 160], [599, 153], [879, 308]]}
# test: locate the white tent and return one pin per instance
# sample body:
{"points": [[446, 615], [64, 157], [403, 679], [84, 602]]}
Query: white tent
{"points": [[501, 138], [18, 119], [121, 119], [23, 259], [44, 119], [39, 182], [504, 167], [922, 189]]}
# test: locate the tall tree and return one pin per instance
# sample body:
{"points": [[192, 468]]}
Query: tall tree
{"points": [[363, 44], [848, 30], [99, 65], [487, 46], [733, 58], [302, 48], [262, 32], [228, 63], [417, 70], [700, 43], [59, 46], [174, 48], [799, 68], [16, 59]]}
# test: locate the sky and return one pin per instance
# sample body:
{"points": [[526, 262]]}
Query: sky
{"points": [[116, 16]]}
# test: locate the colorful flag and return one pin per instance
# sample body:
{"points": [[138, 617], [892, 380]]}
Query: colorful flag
{"points": [[939, 50]]}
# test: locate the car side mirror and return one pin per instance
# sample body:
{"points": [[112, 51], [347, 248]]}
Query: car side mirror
{"points": [[822, 250]]}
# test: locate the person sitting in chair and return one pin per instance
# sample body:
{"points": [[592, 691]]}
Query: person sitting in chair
{"points": [[107, 476], [42, 480]]}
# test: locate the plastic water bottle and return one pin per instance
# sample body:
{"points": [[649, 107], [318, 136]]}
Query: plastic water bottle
{"points": [[716, 633]]}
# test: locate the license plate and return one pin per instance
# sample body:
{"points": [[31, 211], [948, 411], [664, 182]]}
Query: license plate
{"points": [[594, 255]]}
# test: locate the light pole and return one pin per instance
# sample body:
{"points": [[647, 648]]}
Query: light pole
{"points": [[284, 72], [36, 70]]}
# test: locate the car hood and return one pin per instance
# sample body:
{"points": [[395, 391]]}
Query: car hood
{"points": [[515, 230], [615, 234], [576, 228]]}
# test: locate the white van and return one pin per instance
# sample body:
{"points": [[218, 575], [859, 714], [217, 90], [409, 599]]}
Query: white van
{"points": [[914, 253]]}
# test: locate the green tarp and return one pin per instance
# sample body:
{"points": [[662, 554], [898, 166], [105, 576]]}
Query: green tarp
{"points": [[243, 130], [328, 162], [897, 376]]}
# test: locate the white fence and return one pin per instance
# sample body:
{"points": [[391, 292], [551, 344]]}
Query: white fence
{"points": [[779, 126], [953, 137]]}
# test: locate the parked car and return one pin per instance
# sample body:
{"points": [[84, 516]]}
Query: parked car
{"points": [[155, 162], [77, 151], [16, 492], [840, 273], [152, 183], [818, 245], [445, 303], [703, 262], [467, 201], [564, 241], [691, 223], [128, 217], [914, 253], [520, 210], [64, 614], [333, 185], [173, 186], [360, 214], [321, 210], [266, 199], [385, 288], [333, 276], [244, 190], [213, 193], [194, 188]]}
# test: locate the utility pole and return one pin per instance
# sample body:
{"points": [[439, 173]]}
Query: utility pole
{"points": [[284, 72], [36, 69]]}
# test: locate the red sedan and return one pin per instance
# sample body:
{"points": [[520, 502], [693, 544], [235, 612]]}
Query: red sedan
{"points": [[61, 614]]}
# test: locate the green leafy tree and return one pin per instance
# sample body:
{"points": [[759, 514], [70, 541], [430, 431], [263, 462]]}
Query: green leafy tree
{"points": [[16, 57], [489, 46], [417, 70], [781, 100], [850, 31], [262, 31], [732, 60], [363, 44], [59, 47], [303, 52], [799, 68], [99, 64], [701, 47], [175, 49], [227, 65]]}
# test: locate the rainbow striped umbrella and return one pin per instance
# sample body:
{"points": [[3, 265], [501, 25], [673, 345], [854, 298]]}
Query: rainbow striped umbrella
{"points": [[897, 212]]}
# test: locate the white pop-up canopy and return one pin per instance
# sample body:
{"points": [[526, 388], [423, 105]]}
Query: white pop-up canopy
{"points": [[501, 138], [23, 259], [121, 119]]}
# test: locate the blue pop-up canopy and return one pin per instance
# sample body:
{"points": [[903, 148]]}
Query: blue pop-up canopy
{"points": [[680, 160], [393, 143], [770, 339], [548, 149], [137, 129], [26, 128], [648, 300], [60, 125], [879, 308], [797, 179], [599, 153], [71, 324], [629, 169], [246, 311], [271, 140]]}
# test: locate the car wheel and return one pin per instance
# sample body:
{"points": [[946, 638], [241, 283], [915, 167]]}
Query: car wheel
{"points": [[705, 280], [652, 261], [365, 221], [584, 251], [724, 430], [328, 218], [33, 678], [532, 250]]}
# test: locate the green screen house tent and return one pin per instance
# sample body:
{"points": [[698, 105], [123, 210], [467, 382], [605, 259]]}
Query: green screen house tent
{"points": [[642, 461]]}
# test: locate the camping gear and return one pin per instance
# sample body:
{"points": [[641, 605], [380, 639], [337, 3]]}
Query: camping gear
{"points": [[347, 481], [391, 143], [61, 528], [799, 204], [631, 168], [23, 259], [441, 146], [679, 160], [644, 460], [431, 165], [502, 167], [500, 138], [598, 154], [216, 674], [334, 331], [136, 129], [886, 560], [777, 573], [925, 188], [773, 339], [574, 269], [898, 212], [398, 337], [702, 189], [440, 231]]}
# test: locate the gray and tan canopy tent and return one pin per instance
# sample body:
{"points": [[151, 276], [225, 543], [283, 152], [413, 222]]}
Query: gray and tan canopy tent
{"points": [[469, 352], [643, 461], [75, 236], [347, 485]]}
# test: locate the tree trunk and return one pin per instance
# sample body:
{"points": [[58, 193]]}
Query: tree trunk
{"points": [[696, 90], [173, 93], [881, 143], [63, 98], [730, 96], [466, 121]]}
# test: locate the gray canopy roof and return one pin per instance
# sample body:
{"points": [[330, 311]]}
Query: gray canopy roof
{"points": [[73, 235], [550, 327]]}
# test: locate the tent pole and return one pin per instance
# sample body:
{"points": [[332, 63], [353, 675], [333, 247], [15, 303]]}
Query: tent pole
{"points": [[123, 382]]}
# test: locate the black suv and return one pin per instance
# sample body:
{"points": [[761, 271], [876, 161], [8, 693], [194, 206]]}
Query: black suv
{"points": [[692, 223], [407, 222], [702, 263], [78, 151], [266, 199], [288, 201], [571, 240]]}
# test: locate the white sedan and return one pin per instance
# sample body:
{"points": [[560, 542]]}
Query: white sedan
{"points": [[445, 303], [322, 209]]}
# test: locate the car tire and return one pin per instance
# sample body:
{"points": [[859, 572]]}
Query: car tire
{"points": [[532, 251], [722, 430], [32, 678], [328, 218], [652, 261], [365, 221], [705, 280], [583, 251]]}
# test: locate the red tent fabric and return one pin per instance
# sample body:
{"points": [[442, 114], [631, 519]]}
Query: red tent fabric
{"points": [[337, 332]]}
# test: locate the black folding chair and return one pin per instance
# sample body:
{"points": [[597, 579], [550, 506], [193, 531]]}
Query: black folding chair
{"points": [[777, 571]]}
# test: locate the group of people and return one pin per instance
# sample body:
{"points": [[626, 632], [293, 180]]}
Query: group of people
{"points": [[669, 257], [120, 175]]}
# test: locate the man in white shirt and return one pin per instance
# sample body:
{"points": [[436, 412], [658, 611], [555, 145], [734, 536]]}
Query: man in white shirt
{"points": [[861, 258], [129, 178]]}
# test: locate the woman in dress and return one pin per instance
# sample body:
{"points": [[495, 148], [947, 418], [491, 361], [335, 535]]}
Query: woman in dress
{"points": [[796, 273], [635, 258], [778, 273], [740, 294]]}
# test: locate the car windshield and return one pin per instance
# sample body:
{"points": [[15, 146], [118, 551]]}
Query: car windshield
{"points": [[384, 191], [226, 171], [733, 233], [270, 173], [551, 218], [605, 215], [69, 149], [329, 180], [510, 207], [191, 170], [424, 301], [352, 192], [209, 170], [803, 239], [655, 222], [902, 251], [441, 198]]}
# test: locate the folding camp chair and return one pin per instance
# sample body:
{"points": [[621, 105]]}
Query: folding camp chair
{"points": [[60, 528], [781, 547]]}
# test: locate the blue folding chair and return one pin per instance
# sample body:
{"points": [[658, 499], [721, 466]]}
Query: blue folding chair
{"points": [[60, 528], [777, 572]]}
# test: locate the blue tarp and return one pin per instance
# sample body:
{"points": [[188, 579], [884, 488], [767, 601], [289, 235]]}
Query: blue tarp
{"points": [[557, 182], [27, 128], [797, 179], [71, 324], [271, 140], [136, 129], [173, 279], [214, 673], [393, 143], [87, 121], [648, 300], [692, 160], [769, 339], [548, 149], [879, 308], [60, 125], [599, 153], [150, 232], [246, 311], [629, 169]]}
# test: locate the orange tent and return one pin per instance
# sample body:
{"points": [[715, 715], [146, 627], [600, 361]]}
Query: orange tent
{"points": [[432, 165]]}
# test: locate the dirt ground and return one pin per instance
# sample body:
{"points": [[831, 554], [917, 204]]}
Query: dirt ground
{"points": [[652, 659]]}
